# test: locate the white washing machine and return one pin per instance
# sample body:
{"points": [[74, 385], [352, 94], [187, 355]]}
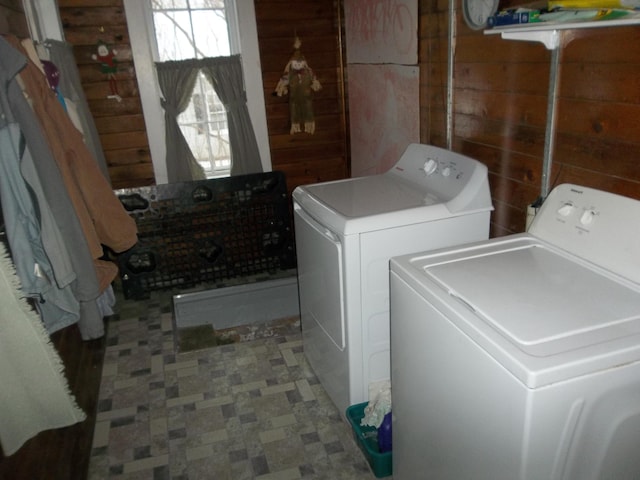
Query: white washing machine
{"points": [[347, 230], [519, 357]]}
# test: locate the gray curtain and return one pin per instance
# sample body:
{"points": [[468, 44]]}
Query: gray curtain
{"points": [[177, 80], [225, 74], [61, 55]]}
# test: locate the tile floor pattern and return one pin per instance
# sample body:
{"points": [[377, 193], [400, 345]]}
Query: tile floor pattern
{"points": [[251, 410]]}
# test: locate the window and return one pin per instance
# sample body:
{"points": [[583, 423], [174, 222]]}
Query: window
{"points": [[187, 29], [240, 16]]}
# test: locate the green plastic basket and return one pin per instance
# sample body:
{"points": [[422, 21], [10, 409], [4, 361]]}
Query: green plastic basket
{"points": [[367, 440]]}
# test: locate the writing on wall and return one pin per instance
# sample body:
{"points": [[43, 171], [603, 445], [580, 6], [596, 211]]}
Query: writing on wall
{"points": [[381, 31]]}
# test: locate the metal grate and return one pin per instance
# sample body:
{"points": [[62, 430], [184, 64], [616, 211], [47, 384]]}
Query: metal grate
{"points": [[206, 232]]}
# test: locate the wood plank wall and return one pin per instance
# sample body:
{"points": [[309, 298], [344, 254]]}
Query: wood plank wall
{"points": [[500, 103], [120, 124], [303, 157], [63, 452], [12, 19]]}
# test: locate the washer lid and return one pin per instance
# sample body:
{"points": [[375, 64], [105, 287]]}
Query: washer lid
{"points": [[558, 311], [372, 195]]}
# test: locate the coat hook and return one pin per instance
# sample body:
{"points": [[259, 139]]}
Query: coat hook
{"points": [[101, 29]]}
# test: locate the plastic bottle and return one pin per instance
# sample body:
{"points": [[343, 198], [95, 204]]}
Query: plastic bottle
{"points": [[384, 434]]}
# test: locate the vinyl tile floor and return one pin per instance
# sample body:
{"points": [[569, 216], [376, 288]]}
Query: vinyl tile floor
{"points": [[248, 410]]}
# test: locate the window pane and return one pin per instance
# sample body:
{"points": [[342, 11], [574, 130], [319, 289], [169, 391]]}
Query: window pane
{"points": [[207, 4], [204, 126], [204, 122], [199, 143], [168, 4], [210, 30], [173, 33]]}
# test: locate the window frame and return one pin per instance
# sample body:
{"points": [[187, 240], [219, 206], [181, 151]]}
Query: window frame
{"points": [[243, 38]]}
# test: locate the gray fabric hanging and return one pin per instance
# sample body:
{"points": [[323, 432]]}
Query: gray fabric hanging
{"points": [[61, 55], [225, 75], [177, 80]]}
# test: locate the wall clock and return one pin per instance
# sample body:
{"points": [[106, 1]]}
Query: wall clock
{"points": [[477, 12]]}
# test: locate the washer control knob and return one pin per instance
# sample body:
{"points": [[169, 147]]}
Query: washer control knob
{"points": [[566, 209], [446, 171], [430, 166], [587, 217]]}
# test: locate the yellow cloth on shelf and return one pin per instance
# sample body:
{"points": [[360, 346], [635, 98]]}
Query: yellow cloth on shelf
{"points": [[594, 4], [34, 394]]}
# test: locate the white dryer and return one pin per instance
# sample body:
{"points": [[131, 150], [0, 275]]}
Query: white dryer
{"points": [[347, 230], [519, 357]]}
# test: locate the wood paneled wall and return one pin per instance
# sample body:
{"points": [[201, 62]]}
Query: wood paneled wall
{"points": [[303, 157], [500, 108], [120, 124], [12, 19]]}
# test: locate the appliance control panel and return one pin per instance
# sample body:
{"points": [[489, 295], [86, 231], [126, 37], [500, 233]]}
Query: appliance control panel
{"points": [[446, 168], [601, 227], [443, 175], [427, 164]]}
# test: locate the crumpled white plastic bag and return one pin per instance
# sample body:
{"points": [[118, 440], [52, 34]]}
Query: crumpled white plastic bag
{"points": [[379, 404]]}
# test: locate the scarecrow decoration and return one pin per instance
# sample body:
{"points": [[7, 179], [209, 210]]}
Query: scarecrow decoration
{"points": [[299, 82], [108, 66]]}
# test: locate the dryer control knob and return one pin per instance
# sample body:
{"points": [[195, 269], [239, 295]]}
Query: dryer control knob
{"points": [[566, 209], [446, 171], [587, 217], [430, 166]]}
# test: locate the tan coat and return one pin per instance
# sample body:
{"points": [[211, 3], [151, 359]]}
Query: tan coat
{"points": [[103, 219]]}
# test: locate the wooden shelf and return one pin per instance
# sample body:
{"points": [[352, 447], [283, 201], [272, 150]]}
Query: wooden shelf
{"points": [[548, 33]]}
